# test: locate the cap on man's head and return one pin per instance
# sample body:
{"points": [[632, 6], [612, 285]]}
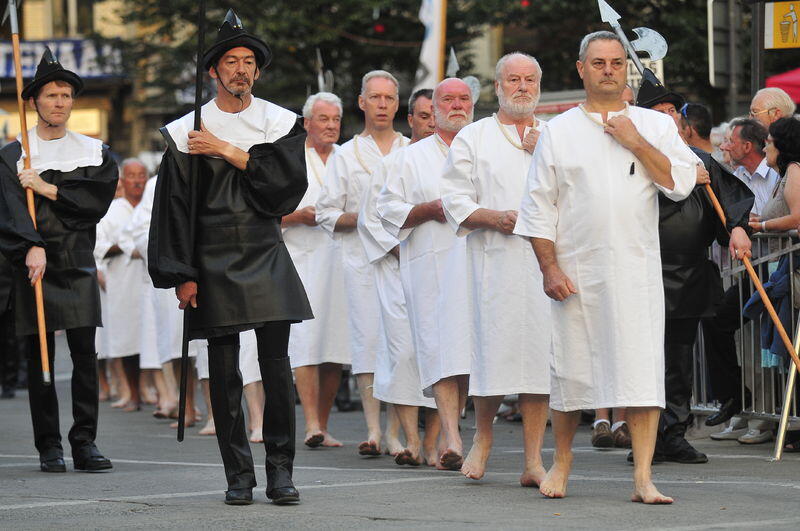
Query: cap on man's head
{"points": [[652, 92], [50, 69], [233, 35]]}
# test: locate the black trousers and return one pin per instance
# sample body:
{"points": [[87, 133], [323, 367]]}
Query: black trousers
{"points": [[43, 399], [679, 338], [725, 375], [9, 351], [225, 383]]}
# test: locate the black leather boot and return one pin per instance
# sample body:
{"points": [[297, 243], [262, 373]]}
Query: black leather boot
{"points": [[225, 385], [279, 429]]}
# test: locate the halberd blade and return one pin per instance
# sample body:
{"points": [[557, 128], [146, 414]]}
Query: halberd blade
{"points": [[651, 42], [607, 13]]}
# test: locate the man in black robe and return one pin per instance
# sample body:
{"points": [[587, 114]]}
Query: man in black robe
{"points": [[236, 274], [73, 179], [9, 349], [692, 282]]}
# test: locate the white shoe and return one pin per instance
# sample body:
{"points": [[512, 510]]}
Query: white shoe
{"points": [[730, 433], [754, 436]]}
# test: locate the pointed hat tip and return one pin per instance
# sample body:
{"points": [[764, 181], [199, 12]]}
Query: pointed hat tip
{"points": [[233, 19], [48, 56]]}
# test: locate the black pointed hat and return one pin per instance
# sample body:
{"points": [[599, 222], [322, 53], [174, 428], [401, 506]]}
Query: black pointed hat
{"points": [[652, 92], [231, 35], [50, 69]]}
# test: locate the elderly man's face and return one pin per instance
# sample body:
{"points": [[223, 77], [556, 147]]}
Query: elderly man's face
{"points": [[453, 105], [325, 123], [236, 71], [762, 112], [737, 148], [421, 118], [134, 178], [604, 72], [379, 102], [518, 88]]}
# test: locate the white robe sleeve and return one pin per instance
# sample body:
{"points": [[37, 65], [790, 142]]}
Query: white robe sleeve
{"points": [[106, 234], [333, 195], [538, 213], [135, 234], [392, 205], [376, 240], [683, 163], [459, 196]]}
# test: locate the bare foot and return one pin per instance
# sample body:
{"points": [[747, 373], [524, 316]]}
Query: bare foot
{"points": [[131, 406], [371, 448], [533, 475], [209, 428], [646, 492], [431, 457], [393, 446], [330, 442], [554, 484], [104, 396], [188, 423], [408, 457], [450, 460], [256, 435], [314, 439], [122, 402], [474, 465]]}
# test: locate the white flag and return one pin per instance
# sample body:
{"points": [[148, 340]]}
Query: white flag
{"points": [[430, 14]]}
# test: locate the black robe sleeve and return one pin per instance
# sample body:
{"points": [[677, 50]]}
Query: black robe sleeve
{"points": [[84, 196], [734, 196], [17, 234], [275, 178], [169, 249]]}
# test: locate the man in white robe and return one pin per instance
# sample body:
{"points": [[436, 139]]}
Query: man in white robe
{"points": [[433, 265], [318, 348], [347, 176], [123, 282], [591, 211], [482, 186], [397, 379]]}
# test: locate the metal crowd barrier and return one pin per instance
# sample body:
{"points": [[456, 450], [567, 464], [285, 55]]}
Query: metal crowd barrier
{"points": [[773, 396]]}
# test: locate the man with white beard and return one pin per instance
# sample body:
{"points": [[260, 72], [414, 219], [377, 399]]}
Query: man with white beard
{"points": [[482, 186], [347, 176], [319, 347], [397, 380], [433, 266]]}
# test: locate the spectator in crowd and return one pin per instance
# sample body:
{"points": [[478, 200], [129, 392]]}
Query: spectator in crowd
{"points": [[770, 105]]}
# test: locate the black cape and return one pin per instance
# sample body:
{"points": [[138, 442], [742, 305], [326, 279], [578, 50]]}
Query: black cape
{"points": [[6, 284], [692, 282], [66, 229], [244, 273]]}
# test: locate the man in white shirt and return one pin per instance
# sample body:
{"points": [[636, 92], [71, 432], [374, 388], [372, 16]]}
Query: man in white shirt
{"points": [[482, 185], [319, 347], [347, 176], [592, 214]]}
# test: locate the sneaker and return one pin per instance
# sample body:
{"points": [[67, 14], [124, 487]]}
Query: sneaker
{"points": [[622, 437], [602, 436], [734, 430], [756, 436]]}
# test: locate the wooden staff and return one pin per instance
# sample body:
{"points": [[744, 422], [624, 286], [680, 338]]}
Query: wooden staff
{"points": [[194, 165], [23, 124], [757, 283]]}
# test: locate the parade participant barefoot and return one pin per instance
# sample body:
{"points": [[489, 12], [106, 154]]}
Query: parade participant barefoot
{"points": [[474, 466], [209, 428], [623, 366], [393, 444], [314, 439]]}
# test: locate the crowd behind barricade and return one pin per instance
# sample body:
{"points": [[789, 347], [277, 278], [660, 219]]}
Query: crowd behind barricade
{"points": [[431, 277]]}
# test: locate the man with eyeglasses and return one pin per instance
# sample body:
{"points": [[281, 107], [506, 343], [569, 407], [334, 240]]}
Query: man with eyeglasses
{"points": [[770, 105]]}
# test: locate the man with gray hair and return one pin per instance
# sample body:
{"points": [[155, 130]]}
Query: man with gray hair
{"points": [[770, 105], [433, 265], [592, 217], [124, 280], [319, 347], [481, 187], [348, 174]]}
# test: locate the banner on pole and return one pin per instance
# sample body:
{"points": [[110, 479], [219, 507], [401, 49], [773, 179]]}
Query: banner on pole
{"points": [[428, 75]]}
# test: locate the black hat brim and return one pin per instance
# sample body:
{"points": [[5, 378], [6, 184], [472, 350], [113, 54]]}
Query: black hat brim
{"points": [[668, 97], [259, 48], [72, 78]]}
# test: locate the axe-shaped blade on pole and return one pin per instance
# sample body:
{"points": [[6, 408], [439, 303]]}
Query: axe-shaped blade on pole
{"points": [[651, 42], [611, 17]]}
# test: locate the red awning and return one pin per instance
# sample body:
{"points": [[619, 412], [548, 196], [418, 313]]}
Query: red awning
{"points": [[788, 81]]}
